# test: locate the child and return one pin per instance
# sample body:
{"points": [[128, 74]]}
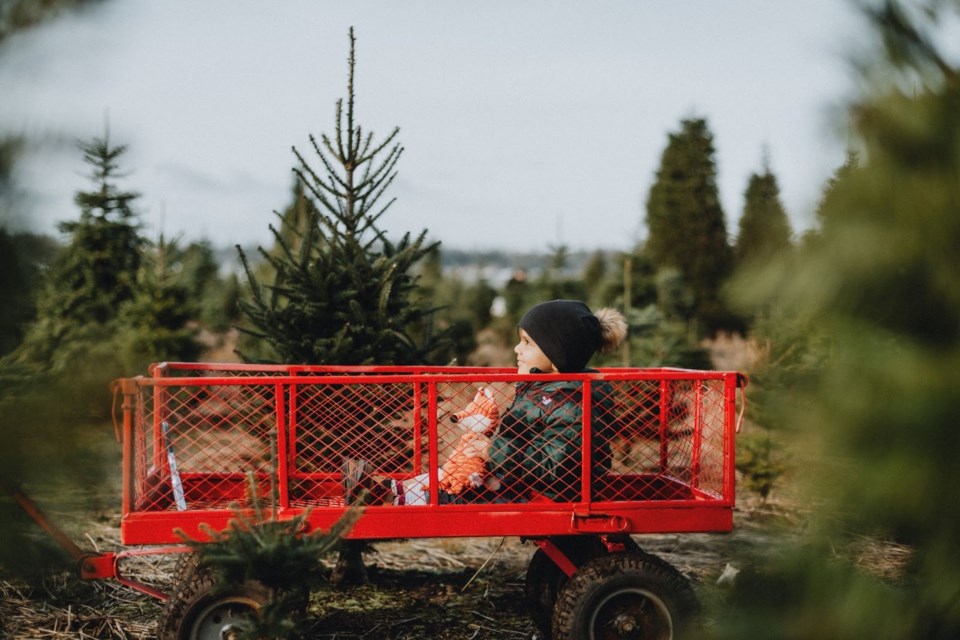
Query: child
{"points": [[539, 441]]}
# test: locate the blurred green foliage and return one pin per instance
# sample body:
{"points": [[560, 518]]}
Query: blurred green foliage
{"points": [[852, 389], [18, 15], [103, 305], [875, 305], [764, 230]]}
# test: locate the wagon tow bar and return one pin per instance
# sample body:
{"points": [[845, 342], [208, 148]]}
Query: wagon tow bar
{"points": [[93, 565]]}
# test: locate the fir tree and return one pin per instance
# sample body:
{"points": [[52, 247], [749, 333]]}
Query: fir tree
{"points": [[96, 272], [215, 298], [23, 259], [878, 415], [764, 228], [685, 219], [342, 292], [555, 283], [833, 200], [594, 273], [154, 323]]}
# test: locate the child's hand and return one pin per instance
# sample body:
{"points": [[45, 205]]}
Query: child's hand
{"points": [[476, 480]]}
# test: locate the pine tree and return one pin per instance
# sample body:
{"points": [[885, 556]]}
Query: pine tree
{"points": [[96, 272], [878, 414], [685, 219], [11, 148], [23, 259], [153, 325], [342, 292], [833, 199], [594, 273], [764, 228], [555, 283], [214, 297]]}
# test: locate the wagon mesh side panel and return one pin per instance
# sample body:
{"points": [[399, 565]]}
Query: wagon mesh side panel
{"points": [[217, 435], [712, 448], [374, 422], [666, 441], [142, 444], [663, 440]]}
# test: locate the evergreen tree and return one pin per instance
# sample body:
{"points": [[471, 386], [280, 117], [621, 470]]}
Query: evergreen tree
{"points": [[342, 292], [594, 274], [878, 414], [685, 220], [11, 147], [556, 283], [642, 287], [518, 295], [23, 259], [16, 295], [833, 196], [764, 228], [96, 272], [215, 299], [154, 323]]}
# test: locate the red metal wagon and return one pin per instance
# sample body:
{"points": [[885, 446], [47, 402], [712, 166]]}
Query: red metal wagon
{"points": [[192, 435]]}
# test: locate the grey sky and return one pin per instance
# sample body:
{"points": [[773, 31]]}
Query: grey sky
{"points": [[525, 124]]}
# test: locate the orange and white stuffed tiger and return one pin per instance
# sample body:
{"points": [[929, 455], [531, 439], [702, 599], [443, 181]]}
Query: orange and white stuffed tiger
{"points": [[466, 465]]}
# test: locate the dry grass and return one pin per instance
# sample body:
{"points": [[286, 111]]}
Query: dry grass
{"points": [[429, 588]]}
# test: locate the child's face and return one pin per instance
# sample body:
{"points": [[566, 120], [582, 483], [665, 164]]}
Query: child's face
{"points": [[529, 356]]}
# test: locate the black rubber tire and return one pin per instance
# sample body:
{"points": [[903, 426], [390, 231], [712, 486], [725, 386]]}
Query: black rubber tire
{"points": [[625, 595], [199, 610], [183, 570], [544, 578]]}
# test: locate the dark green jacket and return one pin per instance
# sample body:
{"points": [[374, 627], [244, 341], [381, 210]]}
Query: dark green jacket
{"points": [[539, 442]]}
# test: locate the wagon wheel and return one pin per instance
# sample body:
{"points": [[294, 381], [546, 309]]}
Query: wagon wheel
{"points": [[545, 579], [625, 595], [183, 570], [200, 610]]}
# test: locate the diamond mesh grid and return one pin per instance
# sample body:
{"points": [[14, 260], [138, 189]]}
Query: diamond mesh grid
{"points": [[651, 438], [667, 442], [216, 435]]}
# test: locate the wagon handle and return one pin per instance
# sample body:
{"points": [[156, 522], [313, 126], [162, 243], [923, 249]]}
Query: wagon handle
{"points": [[128, 387], [115, 387], [741, 384]]}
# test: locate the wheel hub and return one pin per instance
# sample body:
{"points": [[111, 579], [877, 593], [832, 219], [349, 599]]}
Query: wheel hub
{"points": [[222, 620], [625, 624], [633, 613]]}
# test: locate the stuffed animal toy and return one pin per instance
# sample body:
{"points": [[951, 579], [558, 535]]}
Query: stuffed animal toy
{"points": [[466, 465]]}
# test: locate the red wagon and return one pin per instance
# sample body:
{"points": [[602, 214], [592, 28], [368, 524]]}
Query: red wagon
{"points": [[192, 435]]}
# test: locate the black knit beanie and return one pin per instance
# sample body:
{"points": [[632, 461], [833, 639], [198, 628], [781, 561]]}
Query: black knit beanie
{"points": [[565, 330]]}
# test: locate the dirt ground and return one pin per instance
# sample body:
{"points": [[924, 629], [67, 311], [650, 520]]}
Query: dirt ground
{"points": [[444, 588], [453, 589]]}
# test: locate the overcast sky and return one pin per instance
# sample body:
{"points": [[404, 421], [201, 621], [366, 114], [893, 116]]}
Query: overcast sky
{"points": [[525, 124]]}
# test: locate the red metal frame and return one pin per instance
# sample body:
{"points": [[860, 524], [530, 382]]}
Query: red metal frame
{"points": [[697, 510], [221, 410]]}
